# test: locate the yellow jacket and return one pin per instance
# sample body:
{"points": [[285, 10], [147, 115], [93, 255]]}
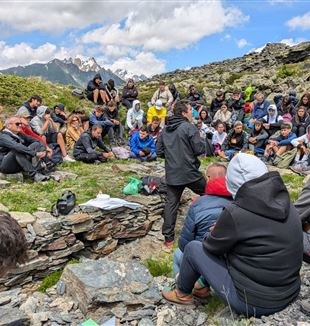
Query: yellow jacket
{"points": [[153, 112]]}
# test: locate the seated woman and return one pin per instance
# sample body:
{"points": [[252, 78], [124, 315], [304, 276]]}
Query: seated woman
{"points": [[301, 121], [277, 145], [236, 141], [204, 116], [74, 130], [305, 101], [286, 108], [257, 138], [301, 161], [218, 138], [272, 121], [223, 115], [142, 146]]}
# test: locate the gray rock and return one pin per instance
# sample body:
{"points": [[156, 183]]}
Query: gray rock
{"points": [[45, 224], [23, 219], [12, 315], [61, 287], [146, 322], [4, 184], [14, 176]]}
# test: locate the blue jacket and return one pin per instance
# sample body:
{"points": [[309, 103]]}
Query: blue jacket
{"points": [[285, 141], [260, 110], [204, 212], [100, 121], [137, 144]]}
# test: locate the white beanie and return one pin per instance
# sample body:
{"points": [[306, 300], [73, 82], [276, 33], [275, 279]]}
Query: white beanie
{"points": [[241, 169]]}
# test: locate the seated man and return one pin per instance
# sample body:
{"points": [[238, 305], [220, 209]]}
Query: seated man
{"points": [[217, 102], [259, 110], [13, 245], [111, 112], [99, 118], [112, 92], [142, 146], [59, 116], [130, 93], [85, 148], [236, 141], [163, 94], [257, 139], [204, 212], [157, 110], [253, 256], [154, 128], [134, 119], [96, 91], [194, 96], [277, 145], [20, 152], [30, 106], [236, 106], [43, 125]]}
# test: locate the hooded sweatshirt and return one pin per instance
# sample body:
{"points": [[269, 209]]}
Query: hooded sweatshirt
{"points": [[134, 118], [38, 121], [204, 212], [302, 139], [217, 138], [180, 144], [92, 85], [259, 235]]}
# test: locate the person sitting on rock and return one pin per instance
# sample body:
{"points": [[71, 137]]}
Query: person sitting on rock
{"points": [[74, 130], [286, 108], [223, 115], [20, 152], [13, 245], [85, 148], [300, 121], [305, 101], [278, 145], [43, 125], [130, 93], [248, 95], [111, 112], [157, 110], [194, 96], [272, 121], [301, 161], [218, 137], [99, 118], [154, 128], [253, 256], [112, 92], [258, 137], [216, 103], [59, 117], [236, 106], [134, 119], [260, 109], [142, 146], [96, 91], [237, 140], [30, 106], [163, 94], [204, 212]]}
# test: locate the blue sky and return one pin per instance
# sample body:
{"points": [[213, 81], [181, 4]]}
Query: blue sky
{"points": [[146, 36]]}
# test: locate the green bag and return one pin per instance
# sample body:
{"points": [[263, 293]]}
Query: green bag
{"points": [[133, 187], [285, 159]]}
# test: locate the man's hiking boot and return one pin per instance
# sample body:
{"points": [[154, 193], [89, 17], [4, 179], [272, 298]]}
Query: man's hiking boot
{"points": [[176, 296]]}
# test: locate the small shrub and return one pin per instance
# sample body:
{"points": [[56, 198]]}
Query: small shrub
{"points": [[159, 267], [234, 76], [285, 72]]}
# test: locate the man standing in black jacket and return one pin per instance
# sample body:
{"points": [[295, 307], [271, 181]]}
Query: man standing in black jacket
{"points": [[180, 144]]}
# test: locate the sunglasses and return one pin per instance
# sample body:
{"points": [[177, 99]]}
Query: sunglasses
{"points": [[75, 120], [17, 124]]}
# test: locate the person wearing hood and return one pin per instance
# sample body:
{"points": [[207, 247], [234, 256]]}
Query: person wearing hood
{"points": [[194, 96], [59, 116], [257, 138], [96, 91], [43, 125], [253, 256], [301, 161], [30, 107], [142, 145], [163, 94], [272, 121], [180, 144], [204, 211], [248, 95], [301, 121], [129, 94], [134, 118], [157, 110]]}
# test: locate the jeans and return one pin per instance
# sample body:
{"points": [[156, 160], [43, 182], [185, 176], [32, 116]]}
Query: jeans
{"points": [[198, 262], [119, 132], [230, 152], [177, 261], [143, 158]]}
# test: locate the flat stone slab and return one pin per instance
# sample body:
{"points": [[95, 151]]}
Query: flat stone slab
{"points": [[4, 184], [23, 218], [12, 315]]}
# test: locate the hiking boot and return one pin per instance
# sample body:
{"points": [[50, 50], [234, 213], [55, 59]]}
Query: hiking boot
{"points": [[176, 296], [38, 177]]}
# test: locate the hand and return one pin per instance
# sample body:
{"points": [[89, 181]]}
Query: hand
{"points": [[116, 122], [150, 155], [252, 120], [47, 116], [108, 155], [233, 141], [49, 152], [141, 153], [41, 154], [132, 129], [211, 229]]}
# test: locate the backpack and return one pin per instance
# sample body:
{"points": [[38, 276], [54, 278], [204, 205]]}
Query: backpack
{"points": [[65, 204], [78, 93], [152, 185]]}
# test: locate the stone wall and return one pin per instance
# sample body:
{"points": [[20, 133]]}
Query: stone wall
{"points": [[87, 232]]}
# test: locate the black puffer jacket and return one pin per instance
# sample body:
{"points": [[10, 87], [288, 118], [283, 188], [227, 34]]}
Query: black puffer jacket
{"points": [[88, 144], [180, 144], [92, 85], [260, 235]]}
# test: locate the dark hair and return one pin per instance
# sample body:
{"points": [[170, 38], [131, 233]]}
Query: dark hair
{"points": [[219, 93], [47, 111], [95, 127], [111, 83], [236, 92], [35, 97], [161, 82], [155, 119], [219, 122], [181, 106], [13, 243], [111, 104], [224, 103], [143, 128]]}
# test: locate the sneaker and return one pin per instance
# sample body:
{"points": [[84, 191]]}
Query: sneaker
{"points": [[169, 244], [68, 159], [176, 296], [201, 291], [38, 177]]}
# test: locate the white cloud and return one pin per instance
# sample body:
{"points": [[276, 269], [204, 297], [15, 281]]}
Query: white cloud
{"points": [[144, 63], [300, 22], [291, 41], [242, 43], [164, 29]]}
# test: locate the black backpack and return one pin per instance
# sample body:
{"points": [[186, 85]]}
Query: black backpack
{"points": [[152, 185], [65, 204], [78, 93]]}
